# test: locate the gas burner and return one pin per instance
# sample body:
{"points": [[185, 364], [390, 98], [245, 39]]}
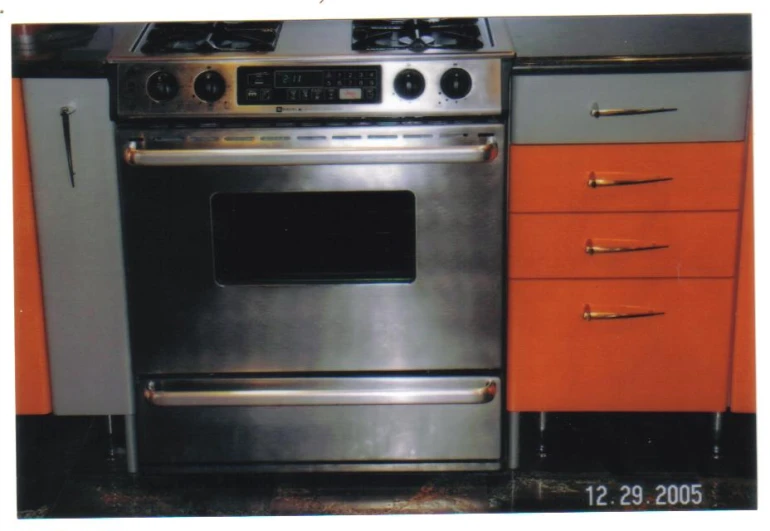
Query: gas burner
{"points": [[211, 37], [417, 34]]}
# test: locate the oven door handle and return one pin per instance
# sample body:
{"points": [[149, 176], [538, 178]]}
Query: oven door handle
{"points": [[295, 393], [134, 156]]}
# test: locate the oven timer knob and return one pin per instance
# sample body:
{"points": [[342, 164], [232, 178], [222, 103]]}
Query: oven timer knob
{"points": [[456, 83], [161, 86], [209, 86], [409, 84]]}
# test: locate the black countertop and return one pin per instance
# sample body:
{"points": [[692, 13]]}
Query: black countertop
{"points": [[624, 43], [67, 51]]}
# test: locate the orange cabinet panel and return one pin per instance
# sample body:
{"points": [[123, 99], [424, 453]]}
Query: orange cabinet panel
{"points": [[33, 391], [744, 385], [677, 245], [557, 178], [560, 361]]}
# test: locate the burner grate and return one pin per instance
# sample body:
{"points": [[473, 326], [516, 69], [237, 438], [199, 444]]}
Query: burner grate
{"points": [[211, 37], [417, 34]]}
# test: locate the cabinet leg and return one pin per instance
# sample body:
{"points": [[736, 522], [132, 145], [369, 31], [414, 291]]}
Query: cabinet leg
{"points": [[131, 458], [111, 449], [716, 436], [541, 450], [513, 441]]}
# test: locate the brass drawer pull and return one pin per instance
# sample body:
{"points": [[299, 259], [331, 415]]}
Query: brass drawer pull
{"points": [[598, 182], [596, 112], [590, 315], [592, 248]]}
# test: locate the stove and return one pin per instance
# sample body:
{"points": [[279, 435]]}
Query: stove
{"points": [[313, 228]]}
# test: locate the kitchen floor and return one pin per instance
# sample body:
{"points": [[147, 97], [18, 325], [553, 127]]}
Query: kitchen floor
{"points": [[70, 467]]}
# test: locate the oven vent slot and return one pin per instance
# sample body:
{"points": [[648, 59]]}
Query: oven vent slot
{"points": [[486, 135], [239, 139], [274, 138], [203, 138], [168, 139], [346, 137], [311, 137], [382, 137], [452, 135], [418, 136]]}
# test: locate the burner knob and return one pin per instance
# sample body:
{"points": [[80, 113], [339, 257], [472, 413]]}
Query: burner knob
{"points": [[409, 84], [456, 83], [161, 86], [209, 86]]}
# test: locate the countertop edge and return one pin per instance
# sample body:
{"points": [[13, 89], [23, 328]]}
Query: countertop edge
{"points": [[629, 64]]}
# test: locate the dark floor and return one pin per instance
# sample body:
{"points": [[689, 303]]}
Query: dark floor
{"points": [[72, 467]]}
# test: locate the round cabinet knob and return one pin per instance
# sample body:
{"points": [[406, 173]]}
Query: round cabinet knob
{"points": [[456, 83], [161, 86], [209, 86], [409, 84]]}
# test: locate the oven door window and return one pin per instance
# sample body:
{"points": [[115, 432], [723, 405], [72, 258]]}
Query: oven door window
{"points": [[317, 237]]}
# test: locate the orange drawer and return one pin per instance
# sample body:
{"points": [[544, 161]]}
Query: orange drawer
{"points": [[677, 245], [557, 178], [677, 361]]}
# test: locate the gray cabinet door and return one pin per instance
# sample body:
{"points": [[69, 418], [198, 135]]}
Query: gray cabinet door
{"points": [[80, 246]]}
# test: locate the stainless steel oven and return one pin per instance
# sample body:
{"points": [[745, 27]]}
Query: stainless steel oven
{"points": [[341, 286], [313, 217]]}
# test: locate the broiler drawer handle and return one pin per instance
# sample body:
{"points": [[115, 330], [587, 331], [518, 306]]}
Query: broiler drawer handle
{"points": [[134, 156], [296, 395]]}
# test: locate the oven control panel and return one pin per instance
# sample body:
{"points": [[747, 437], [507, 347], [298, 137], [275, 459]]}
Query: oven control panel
{"points": [[309, 85], [418, 86]]}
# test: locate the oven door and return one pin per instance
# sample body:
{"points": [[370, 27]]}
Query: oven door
{"points": [[335, 249]]}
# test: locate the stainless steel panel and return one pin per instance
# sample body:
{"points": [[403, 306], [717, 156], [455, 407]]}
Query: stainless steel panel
{"points": [[450, 317], [81, 255], [485, 97], [363, 434], [557, 109]]}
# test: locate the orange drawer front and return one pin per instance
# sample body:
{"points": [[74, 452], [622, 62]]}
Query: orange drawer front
{"points": [[625, 177], [558, 360], [33, 390], [676, 245]]}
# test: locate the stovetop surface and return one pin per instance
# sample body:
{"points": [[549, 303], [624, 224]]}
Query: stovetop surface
{"points": [[316, 41]]}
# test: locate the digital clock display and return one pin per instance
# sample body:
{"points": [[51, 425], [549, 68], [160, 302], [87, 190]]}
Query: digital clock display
{"points": [[298, 78]]}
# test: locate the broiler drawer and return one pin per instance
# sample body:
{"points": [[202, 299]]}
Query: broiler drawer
{"points": [[626, 177], [610, 245], [320, 423], [619, 345], [617, 108]]}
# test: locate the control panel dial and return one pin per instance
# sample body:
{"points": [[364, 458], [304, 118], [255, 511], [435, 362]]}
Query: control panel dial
{"points": [[161, 86], [409, 84], [456, 83], [209, 86]]}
